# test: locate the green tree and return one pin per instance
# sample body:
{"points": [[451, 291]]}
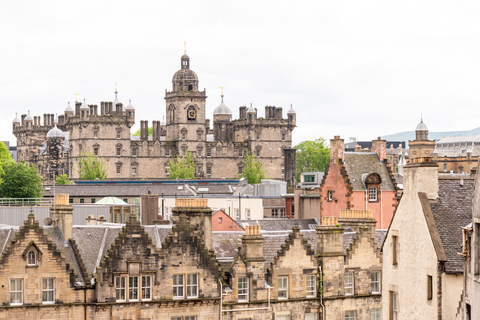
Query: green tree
{"points": [[312, 156], [5, 156], [62, 179], [20, 181], [253, 170], [137, 133], [181, 167], [91, 167]]}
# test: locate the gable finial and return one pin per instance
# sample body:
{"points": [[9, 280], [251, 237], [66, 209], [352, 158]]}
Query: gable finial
{"points": [[184, 47]]}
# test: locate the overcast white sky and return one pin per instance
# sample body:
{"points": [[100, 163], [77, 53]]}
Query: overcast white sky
{"points": [[351, 68]]}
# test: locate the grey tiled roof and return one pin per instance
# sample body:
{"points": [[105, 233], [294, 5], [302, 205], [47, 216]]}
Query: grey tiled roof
{"points": [[360, 164], [281, 224], [453, 212]]}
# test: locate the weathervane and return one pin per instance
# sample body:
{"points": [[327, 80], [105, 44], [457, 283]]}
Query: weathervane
{"points": [[184, 47], [222, 90], [76, 96]]}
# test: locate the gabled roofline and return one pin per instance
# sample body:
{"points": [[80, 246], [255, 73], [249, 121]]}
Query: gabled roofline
{"points": [[432, 227]]}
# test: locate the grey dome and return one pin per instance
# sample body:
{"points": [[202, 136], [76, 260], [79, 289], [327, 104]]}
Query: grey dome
{"points": [[251, 110], [130, 106], [222, 109], [55, 133], [68, 108], [16, 120], [29, 117], [291, 110], [421, 126], [84, 106]]}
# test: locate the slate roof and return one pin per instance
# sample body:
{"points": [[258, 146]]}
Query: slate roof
{"points": [[359, 164], [281, 224], [452, 212]]}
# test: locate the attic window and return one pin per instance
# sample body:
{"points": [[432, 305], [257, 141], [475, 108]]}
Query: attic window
{"points": [[32, 258], [219, 219], [372, 194]]}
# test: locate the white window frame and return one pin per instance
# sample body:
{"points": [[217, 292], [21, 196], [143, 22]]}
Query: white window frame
{"points": [[146, 288], [350, 315], [247, 214], [243, 284], [192, 285], [311, 285], [178, 286], [282, 287], [311, 316], [48, 289], [133, 288], [274, 213], [282, 317], [376, 314], [31, 258], [372, 194], [375, 277], [330, 195], [190, 317], [349, 283], [237, 213], [120, 287], [395, 305], [16, 290]]}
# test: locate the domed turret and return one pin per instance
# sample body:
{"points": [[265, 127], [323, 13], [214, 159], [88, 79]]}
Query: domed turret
{"points": [[68, 108], [55, 133], [291, 111], [421, 126], [84, 109], [130, 106], [421, 132], [28, 117], [16, 120], [222, 109], [185, 79]]}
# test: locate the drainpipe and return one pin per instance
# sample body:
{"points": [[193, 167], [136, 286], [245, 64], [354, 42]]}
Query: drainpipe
{"points": [[381, 208], [320, 296]]}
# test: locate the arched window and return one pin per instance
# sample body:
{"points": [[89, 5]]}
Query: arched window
{"points": [[31, 258]]}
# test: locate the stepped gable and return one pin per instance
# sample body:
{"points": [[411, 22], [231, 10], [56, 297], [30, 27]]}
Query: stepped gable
{"points": [[451, 212], [51, 236]]}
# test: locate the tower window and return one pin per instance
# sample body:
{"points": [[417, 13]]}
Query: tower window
{"points": [[95, 151], [190, 88], [119, 150]]}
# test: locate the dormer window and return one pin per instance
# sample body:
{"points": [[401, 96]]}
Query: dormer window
{"points": [[372, 194], [31, 258]]}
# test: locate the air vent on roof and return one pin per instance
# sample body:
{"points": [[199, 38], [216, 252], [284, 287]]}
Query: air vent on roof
{"points": [[313, 226]]}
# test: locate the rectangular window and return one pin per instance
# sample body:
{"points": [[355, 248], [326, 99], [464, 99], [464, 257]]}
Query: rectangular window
{"points": [[308, 178], [132, 288], [118, 135], [349, 283], [283, 136], [167, 152], [48, 290], [350, 315], [209, 152], [82, 200], [178, 286], [393, 305], [237, 214], [429, 288], [330, 195], [119, 169], [240, 152], [190, 317], [240, 170], [192, 285], [95, 134], [134, 152], [283, 317], [274, 213], [125, 200], [243, 289], [372, 194], [120, 288], [375, 277], [146, 287], [176, 318], [16, 291], [119, 150], [376, 314], [283, 213], [70, 200], [247, 213], [209, 170], [134, 170], [394, 250], [92, 200], [95, 151], [283, 287], [311, 316], [311, 285]]}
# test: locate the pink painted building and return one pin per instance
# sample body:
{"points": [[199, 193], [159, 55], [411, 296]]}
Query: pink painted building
{"points": [[223, 222], [358, 181]]}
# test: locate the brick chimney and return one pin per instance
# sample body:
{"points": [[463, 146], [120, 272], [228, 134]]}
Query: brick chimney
{"points": [[358, 220], [380, 147], [337, 149], [62, 215], [252, 243], [329, 237], [193, 217]]}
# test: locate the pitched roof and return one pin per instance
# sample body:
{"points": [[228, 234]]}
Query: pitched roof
{"points": [[359, 164], [281, 224], [451, 212]]}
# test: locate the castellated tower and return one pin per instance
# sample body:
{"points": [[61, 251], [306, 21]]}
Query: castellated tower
{"points": [[104, 130]]}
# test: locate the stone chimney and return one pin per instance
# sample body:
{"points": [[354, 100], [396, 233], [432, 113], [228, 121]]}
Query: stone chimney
{"points": [[337, 149], [330, 237], [193, 217], [421, 176], [62, 215], [290, 168], [380, 147], [358, 220], [252, 244], [149, 207]]}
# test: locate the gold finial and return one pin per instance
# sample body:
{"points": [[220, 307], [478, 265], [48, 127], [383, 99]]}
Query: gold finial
{"points": [[76, 96], [222, 90], [116, 91], [184, 47]]}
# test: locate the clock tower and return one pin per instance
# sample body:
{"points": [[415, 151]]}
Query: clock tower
{"points": [[185, 112]]}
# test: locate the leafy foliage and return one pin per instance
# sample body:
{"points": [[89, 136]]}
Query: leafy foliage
{"points": [[253, 170], [20, 181], [137, 133], [5, 156], [181, 167], [91, 167], [62, 179], [312, 156]]}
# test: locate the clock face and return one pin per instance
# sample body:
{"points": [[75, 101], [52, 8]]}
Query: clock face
{"points": [[191, 114]]}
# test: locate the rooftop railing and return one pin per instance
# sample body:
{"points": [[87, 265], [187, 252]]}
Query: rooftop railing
{"points": [[22, 202]]}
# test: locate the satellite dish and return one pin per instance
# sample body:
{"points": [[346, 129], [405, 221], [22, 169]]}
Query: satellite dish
{"points": [[48, 221]]}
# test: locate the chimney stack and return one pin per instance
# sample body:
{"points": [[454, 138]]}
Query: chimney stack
{"points": [[380, 147], [357, 220], [252, 244], [337, 149], [193, 216], [330, 237], [62, 215]]}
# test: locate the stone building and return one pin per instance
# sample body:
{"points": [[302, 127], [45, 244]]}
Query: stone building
{"points": [[422, 269], [188, 272], [358, 181], [56, 148]]}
